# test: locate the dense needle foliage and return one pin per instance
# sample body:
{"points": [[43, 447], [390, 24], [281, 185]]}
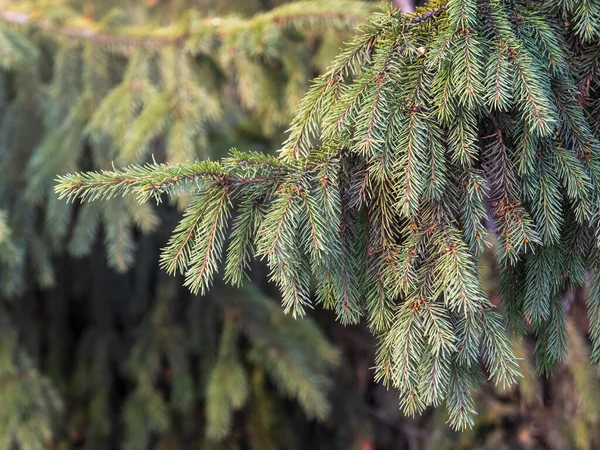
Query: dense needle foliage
{"points": [[431, 137]]}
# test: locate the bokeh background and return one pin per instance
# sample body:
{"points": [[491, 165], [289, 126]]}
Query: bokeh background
{"points": [[99, 348]]}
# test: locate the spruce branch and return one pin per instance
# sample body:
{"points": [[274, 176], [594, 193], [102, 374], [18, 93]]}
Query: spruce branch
{"points": [[298, 15], [427, 128], [153, 180]]}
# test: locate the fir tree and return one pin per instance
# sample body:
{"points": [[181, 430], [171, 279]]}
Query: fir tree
{"points": [[424, 129]]}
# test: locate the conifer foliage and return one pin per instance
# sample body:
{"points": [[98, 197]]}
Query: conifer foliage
{"points": [[432, 136]]}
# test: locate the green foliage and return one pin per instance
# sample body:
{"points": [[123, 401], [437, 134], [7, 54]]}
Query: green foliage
{"points": [[78, 94], [31, 402], [426, 128], [277, 350], [10, 258], [515, 413]]}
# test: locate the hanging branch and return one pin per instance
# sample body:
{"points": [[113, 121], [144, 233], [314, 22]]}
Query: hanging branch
{"points": [[417, 152]]}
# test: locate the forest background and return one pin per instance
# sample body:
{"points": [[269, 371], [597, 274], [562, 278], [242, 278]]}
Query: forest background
{"points": [[100, 348]]}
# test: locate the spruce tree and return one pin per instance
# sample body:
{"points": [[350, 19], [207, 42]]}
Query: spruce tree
{"points": [[431, 136]]}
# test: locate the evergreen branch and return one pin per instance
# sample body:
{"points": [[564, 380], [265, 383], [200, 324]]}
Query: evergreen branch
{"points": [[459, 403], [541, 115], [244, 228], [152, 180], [498, 354], [178, 252], [379, 194], [348, 63], [296, 15], [209, 241]]}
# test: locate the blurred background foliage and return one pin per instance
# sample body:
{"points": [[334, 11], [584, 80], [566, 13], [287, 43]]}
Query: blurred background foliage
{"points": [[98, 347]]}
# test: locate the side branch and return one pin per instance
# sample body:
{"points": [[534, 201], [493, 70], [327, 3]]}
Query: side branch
{"points": [[217, 28], [152, 180]]}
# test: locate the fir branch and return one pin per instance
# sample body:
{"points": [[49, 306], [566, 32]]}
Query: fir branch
{"points": [[217, 28], [152, 180], [379, 193], [209, 240]]}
